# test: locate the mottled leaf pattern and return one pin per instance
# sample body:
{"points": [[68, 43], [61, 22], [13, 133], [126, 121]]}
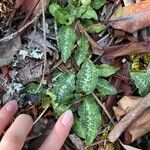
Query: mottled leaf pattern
{"points": [[87, 77], [90, 120], [105, 88], [82, 50], [60, 14], [90, 14], [64, 86], [142, 82], [105, 70], [81, 11], [66, 42], [97, 4], [85, 2], [32, 87]]}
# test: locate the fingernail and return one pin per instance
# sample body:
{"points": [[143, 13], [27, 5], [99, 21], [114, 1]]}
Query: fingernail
{"points": [[11, 106], [67, 118]]}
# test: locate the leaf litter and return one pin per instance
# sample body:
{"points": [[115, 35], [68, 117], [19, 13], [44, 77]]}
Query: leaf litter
{"points": [[88, 56]]}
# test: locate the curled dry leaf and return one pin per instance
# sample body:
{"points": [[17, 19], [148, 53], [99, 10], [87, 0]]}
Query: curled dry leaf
{"points": [[31, 71], [8, 49], [123, 50], [31, 7], [129, 118], [77, 142], [127, 147], [131, 18], [141, 125]]}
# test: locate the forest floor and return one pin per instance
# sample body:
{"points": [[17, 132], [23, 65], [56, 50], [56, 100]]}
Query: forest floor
{"points": [[90, 56]]}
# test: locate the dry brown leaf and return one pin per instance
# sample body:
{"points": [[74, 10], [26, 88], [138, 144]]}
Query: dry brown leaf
{"points": [[77, 142], [138, 131], [8, 49], [118, 112], [127, 147], [31, 71], [131, 18], [122, 50], [141, 125], [129, 118], [128, 102]]}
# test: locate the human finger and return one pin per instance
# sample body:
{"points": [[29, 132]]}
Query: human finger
{"points": [[7, 113], [60, 132], [15, 136]]}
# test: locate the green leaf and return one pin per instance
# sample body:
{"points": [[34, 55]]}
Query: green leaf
{"points": [[58, 108], [72, 10], [90, 120], [82, 50], [60, 14], [86, 2], [64, 86], [92, 27], [90, 14], [66, 42], [73, 2], [105, 70], [81, 11], [142, 82], [87, 77], [97, 4], [97, 28], [105, 88], [32, 87]]}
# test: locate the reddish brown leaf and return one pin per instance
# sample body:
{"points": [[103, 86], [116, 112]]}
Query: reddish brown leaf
{"points": [[131, 18], [129, 118], [140, 126], [122, 50]]}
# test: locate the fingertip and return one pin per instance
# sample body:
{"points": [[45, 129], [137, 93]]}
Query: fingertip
{"points": [[59, 133], [67, 118], [25, 117], [11, 107]]}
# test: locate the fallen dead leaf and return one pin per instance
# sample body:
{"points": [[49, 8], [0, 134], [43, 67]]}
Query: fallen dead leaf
{"points": [[131, 18], [123, 50], [139, 131], [129, 118], [30, 72], [77, 142], [140, 126], [127, 147], [8, 49]]}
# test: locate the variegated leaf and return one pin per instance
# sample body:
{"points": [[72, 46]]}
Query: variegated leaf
{"points": [[66, 42], [87, 77], [82, 50], [142, 82], [105, 88], [64, 86], [105, 70], [90, 120]]}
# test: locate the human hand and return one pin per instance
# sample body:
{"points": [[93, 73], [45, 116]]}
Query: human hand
{"points": [[16, 134]]}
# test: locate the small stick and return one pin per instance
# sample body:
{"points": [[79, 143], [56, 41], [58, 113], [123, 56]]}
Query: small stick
{"points": [[45, 58], [104, 108], [129, 118], [41, 115]]}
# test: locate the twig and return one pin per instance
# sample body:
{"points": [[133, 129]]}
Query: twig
{"points": [[45, 58], [56, 31], [96, 143], [9, 37], [45, 61], [129, 118], [104, 108], [41, 115]]}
